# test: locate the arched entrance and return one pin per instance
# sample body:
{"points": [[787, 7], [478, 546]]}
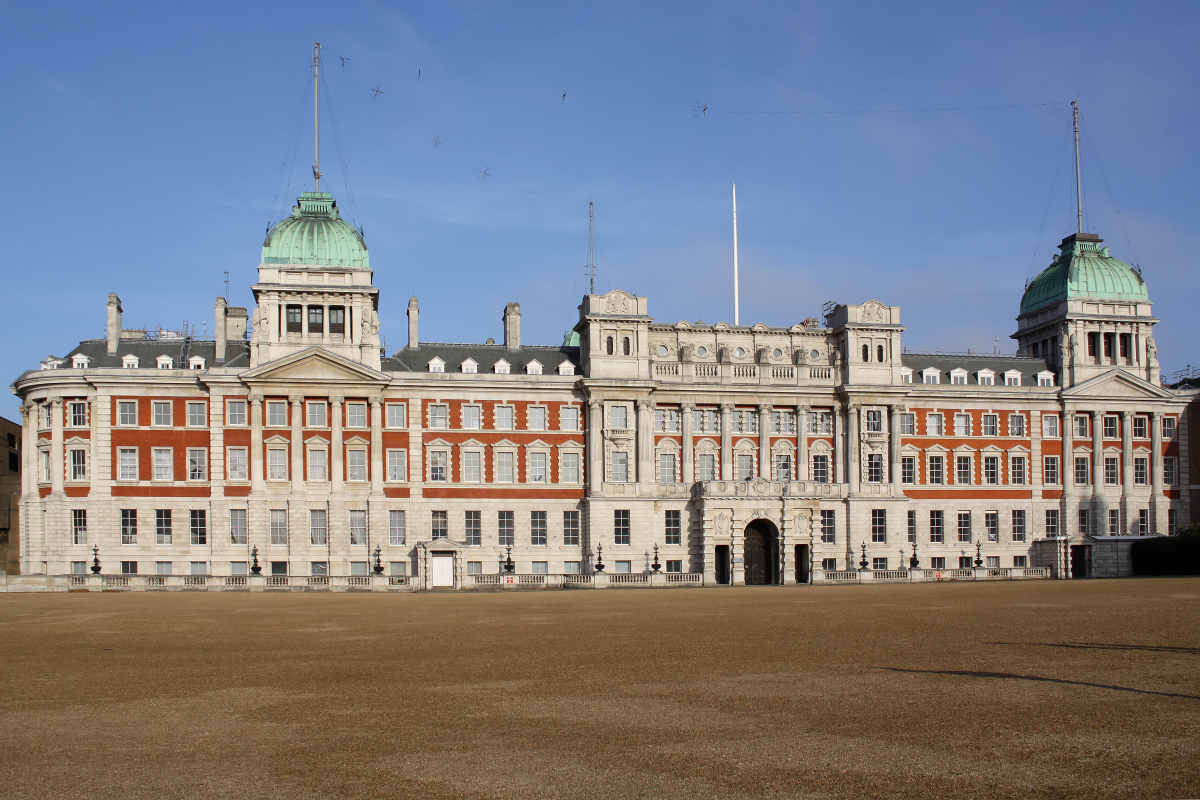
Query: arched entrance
{"points": [[761, 553]]}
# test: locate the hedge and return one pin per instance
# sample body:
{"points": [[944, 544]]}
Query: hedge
{"points": [[1168, 555]]}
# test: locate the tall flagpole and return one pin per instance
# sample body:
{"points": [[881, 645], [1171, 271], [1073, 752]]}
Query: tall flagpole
{"points": [[316, 106], [1078, 177], [736, 311]]}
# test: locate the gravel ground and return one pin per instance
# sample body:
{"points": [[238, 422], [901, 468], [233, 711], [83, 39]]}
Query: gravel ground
{"points": [[1048, 689]]}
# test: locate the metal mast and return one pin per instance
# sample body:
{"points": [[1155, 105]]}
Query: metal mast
{"points": [[1078, 176], [316, 133], [591, 250], [736, 311]]}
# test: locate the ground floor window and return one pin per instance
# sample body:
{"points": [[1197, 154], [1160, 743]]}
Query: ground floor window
{"points": [[571, 527], [624, 567], [937, 563], [1019, 561], [829, 564], [318, 568], [674, 565], [129, 568], [474, 567], [879, 564], [674, 527], [621, 533], [828, 526], [539, 567], [570, 567]]}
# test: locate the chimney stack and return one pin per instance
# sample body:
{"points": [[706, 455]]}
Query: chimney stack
{"points": [[114, 323], [413, 311], [512, 326], [219, 356]]}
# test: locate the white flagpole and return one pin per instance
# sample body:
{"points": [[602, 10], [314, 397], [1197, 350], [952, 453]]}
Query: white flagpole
{"points": [[736, 311]]}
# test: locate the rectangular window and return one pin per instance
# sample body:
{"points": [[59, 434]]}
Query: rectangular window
{"points": [[1110, 428], [277, 414], [962, 470], [356, 465], [199, 567], [1139, 428], [162, 526], [962, 424], [397, 465], [235, 412], [937, 470], [912, 526], [1081, 426], [829, 564], [1052, 522], [504, 418], [937, 526], [129, 568], [198, 525], [537, 468], [337, 319], [570, 527], [358, 526], [745, 467], [1112, 471], [318, 464], [279, 526], [666, 468], [77, 415], [820, 469], [471, 417], [879, 564], [964, 562], [935, 425], [1114, 522], [674, 565], [237, 468], [908, 424], [318, 526], [828, 526], [473, 527], [163, 464], [397, 530], [674, 527], [570, 467], [568, 418], [874, 421], [1081, 471], [295, 320], [1170, 471], [991, 469], [991, 425], [1018, 525], [1172, 523], [78, 466], [878, 525], [991, 525], [78, 567], [505, 467], [127, 412], [78, 526], [1143, 521], [397, 415], [1019, 562], [1083, 522], [1141, 471], [1016, 425], [537, 418], [439, 416], [937, 563], [539, 567], [439, 524], [438, 463], [316, 319], [1016, 471], [505, 528], [618, 417], [621, 533], [197, 464], [1050, 426], [237, 526], [317, 416], [318, 568], [161, 412], [196, 418], [1168, 427], [356, 415], [783, 466], [1050, 470], [874, 468], [708, 467], [277, 464], [964, 526], [620, 467], [537, 528], [623, 567]]}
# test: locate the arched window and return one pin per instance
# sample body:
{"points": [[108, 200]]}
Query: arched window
{"points": [[610, 345], [866, 352], [625, 345], [880, 353]]}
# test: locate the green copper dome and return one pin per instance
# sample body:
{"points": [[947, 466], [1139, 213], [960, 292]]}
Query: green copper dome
{"points": [[315, 234], [1083, 268]]}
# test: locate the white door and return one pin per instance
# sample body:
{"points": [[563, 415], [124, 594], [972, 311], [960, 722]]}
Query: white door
{"points": [[441, 570]]}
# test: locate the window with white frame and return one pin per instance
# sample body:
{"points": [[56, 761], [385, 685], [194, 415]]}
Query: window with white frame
{"points": [[504, 418], [962, 424], [991, 470], [874, 468], [397, 415], [472, 466], [439, 415], [436, 365], [162, 526], [472, 417], [985, 377], [536, 418], [620, 467], [318, 416], [533, 368], [1051, 522], [1018, 525], [537, 528], [621, 527], [196, 362], [128, 526], [198, 525], [164, 362], [318, 526], [1168, 427], [502, 367], [568, 418], [673, 527], [820, 468], [237, 464], [277, 414], [666, 468], [505, 528], [439, 466], [1141, 471], [964, 526], [618, 417], [505, 466], [127, 412], [1050, 474], [908, 469], [962, 470], [164, 468], [571, 528], [397, 465], [196, 416], [991, 425], [570, 467], [396, 527], [235, 412], [537, 468], [908, 424], [828, 526], [77, 416], [879, 525], [937, 470], [197, 459], [1081, 426], [1170, 471], [906, 375], [937, 526], [783, 466], [78, 526], [1045, 379], [1110, 428], [469, 367], [237, 526], [160, 412], [356, 464], [277, 464], [1082, 464], [566, 368], [781, 422], [931, 375], [129, 362], [358, 526], [1012, 378], [1140, 427], [743, 467], [1050, 426], [77, 464], [356, 415], [279, 526], [1112, 471], [1016, 424], [473, 528], [958, 377], [79, 361], [1016, 471], [874, 420], [318, 463], [934, 425]]}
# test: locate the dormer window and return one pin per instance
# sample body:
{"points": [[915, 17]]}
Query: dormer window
{"points": [[931, 375], [906, 375], [986, 377], [534, 368], [469, 367], [502, 367], [80, 361], [129, 362], [958, 377], [164, 362], [52, 363], [437, 365], [196, 362], [1045, 378], [1012, 378], [566, 368]]}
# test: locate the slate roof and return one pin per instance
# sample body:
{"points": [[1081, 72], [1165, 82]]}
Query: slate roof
{"points": [[1028, 366], [237, 354], [485, 355]]}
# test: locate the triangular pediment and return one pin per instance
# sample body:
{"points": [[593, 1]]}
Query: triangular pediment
{"points": [[1117, 384], [315, 366]]}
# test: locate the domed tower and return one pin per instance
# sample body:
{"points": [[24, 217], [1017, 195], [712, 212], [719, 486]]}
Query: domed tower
{"points": [[314, 287], [1088, 313]]}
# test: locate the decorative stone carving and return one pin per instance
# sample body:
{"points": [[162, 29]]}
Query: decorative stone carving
{"points": [[760, 486], [873, 311], [617, 302], [722, 523], [370, 322]]}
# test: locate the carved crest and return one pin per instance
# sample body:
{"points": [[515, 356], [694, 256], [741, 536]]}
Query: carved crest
{"points": [[617, 302], [873, 311], [760, 486], [722, 522]]}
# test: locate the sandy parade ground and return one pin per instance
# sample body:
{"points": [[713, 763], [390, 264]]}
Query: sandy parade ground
{"points": [[1041, 689]]}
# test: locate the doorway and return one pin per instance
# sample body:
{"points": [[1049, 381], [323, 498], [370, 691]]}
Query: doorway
{"points": [[1081, 556], [441, 569], [721, 563], [761, 553], [801, 563]]}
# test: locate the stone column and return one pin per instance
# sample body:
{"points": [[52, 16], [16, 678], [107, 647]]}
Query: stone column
{"points": [[377, 465], [30, 501], [853, 442], [256, 443], [687, 411], [297, 436], [1126, 469], [726, 443], [595, 439], [377, 522], [894, 448], [645, 442], [839, 446], [764, 441], [57, 465], [1067, 466], [1158, 501], [801, 443], [1097, 463], [337, 474]]}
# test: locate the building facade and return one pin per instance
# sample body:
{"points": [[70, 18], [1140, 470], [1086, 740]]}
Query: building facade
{"points": [[742, 454], [10, 496]]}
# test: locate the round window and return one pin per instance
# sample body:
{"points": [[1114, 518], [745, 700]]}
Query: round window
{"points": [[662, 349], [777, 353], [702, 351], [814, 354], [740, 352]]}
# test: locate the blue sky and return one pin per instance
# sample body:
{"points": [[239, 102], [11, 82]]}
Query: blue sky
{"points": [[148, 145]]}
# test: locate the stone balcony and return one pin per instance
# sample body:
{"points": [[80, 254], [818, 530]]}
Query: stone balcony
{"points": [[743, 374]]}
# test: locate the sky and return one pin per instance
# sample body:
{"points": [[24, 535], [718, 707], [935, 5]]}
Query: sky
{"points": [[914, 153]]}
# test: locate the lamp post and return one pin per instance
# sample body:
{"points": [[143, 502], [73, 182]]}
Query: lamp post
{"points": [[509, 566], [655, 565], [599, 557], [378, 563], [863, 563], [95, 559]]}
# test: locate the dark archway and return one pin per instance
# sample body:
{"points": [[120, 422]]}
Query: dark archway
{"points": [[761, 553]]}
